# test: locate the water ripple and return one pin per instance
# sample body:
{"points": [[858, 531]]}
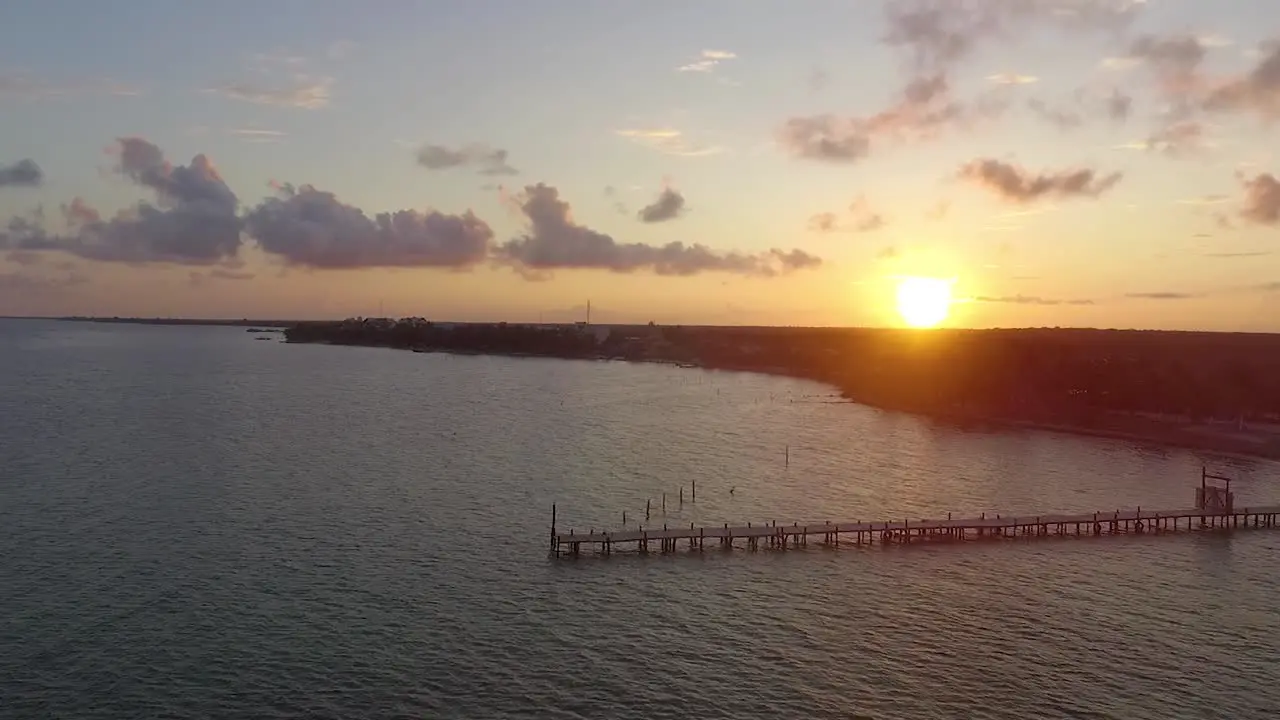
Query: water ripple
{"points": [[195, 525]]}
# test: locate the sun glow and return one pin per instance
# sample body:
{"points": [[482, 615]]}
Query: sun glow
{"points": [[924, 302]]}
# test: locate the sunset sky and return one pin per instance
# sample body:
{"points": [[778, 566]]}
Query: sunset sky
{"points": [[1106, 163]]}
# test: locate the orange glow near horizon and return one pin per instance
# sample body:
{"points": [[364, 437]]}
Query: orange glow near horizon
{"points": [[924, 302]]}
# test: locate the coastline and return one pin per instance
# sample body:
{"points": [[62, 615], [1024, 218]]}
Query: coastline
{"points": [[1151, 432], [1165, 434]]}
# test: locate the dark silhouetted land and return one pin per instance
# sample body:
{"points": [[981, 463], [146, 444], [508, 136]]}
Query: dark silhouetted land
{"points": [[1217, 392], [244, 322]]}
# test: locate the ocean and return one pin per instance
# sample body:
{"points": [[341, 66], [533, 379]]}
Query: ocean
{"points": [[194, 524]]}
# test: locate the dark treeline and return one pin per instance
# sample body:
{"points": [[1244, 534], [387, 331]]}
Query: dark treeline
{"points": [[417, 334], [243, 322], [1067, 377]]}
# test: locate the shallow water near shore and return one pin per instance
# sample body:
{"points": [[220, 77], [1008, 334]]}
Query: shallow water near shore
{"points": [[194, 524]]}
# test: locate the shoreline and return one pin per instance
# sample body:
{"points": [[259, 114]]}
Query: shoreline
{"points": [[1181, 437], [1163, 434]]}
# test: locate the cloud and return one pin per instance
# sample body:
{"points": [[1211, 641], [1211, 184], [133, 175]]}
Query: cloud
{"points": [[1081, 106], [1175, 61], [1160, 296], [922, 112], [667, 206], [199, 182], [24, 284], [554, 242], [1247, 254], [1257, 91], [1261, 199], [1116, 64], [1177, 139], [19, 86], [940, 33], [258, 135], [1030, 300], [24, 173], [824, 222], [303, 92], [618, 206], [1205, 200], [312, 228], [827, 138], [1012, 79], [708, 61], [1017, 185], [1062, 118], [861, 219], [193, 221], [78, 212], [198, 278], [225, 274], [488, 160], [1119, 106], [864, 218], [668, 142]]}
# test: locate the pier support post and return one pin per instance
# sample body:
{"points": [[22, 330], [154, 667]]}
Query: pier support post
{"points": [[553, 527]]}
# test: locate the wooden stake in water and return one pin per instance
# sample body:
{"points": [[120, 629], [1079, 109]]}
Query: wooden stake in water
{"points": [[664, 502], [693, 490], [646, 510], [788, 456], [681, 497], [553, 526]]}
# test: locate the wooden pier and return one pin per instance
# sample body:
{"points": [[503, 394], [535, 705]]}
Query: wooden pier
{"points": [[1214, 511]]}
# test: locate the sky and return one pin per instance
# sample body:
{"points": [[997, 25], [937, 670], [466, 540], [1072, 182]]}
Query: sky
{"points": [[1097, 163]]}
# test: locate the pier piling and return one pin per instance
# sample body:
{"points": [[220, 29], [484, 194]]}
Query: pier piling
{"points": [[907, 531], [1215, 510]]}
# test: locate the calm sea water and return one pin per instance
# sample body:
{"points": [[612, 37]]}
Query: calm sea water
{"points": [[197, 524]]}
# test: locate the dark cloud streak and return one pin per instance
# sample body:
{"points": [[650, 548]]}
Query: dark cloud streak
{"points": [[555, 242], [1257, 91], [24, 173], [312, 228], [669, 205], [1262, 200], [1030, 300], [1015, 184], [1160, 296], [487, 160], [194, 220], [924, 111]]}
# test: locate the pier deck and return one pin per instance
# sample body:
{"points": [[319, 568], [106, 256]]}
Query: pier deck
{"points": [[907, 530]]}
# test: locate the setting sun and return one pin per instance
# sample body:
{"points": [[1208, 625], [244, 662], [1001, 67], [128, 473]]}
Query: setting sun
{"points": [[924, 302]]}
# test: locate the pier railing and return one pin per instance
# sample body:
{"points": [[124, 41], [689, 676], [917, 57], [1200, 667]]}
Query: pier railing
{"points": [[773, 535]]}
